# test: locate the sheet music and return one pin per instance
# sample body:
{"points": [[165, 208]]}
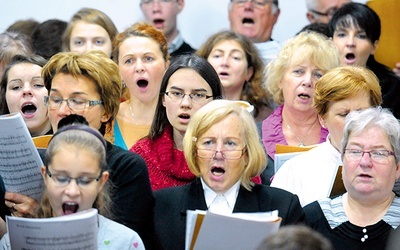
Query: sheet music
{"points": [[236, 231], [20, 162], [75, 231]]}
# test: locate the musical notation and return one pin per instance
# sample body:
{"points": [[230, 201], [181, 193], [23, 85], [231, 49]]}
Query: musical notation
{"points": [[20, 162]]}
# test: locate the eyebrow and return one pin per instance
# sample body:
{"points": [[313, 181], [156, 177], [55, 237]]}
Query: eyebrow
{"points": [[73, 93], [193, 90]]}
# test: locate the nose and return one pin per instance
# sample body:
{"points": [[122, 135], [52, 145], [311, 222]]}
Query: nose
{"points": [[225, 61], [89, 46], [156, 6], [350, 42], [72, 189], [27, 90], [139, 67], [218, 155], [248, 4], [64, 109], [366, 159], [307, 80], [186, 101]]}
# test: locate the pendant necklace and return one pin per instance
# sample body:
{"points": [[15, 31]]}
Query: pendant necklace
{"points": [[301, 143]]}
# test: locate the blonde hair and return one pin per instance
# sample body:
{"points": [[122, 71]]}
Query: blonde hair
{"points": [[306, 46], [214, 112], [345, 82]]}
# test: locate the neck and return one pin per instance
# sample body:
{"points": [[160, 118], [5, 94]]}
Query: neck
{"points": [[232, 94], [140, 113], [178, 138], [41, 131], [357, 209], [299, 118], [171, 36]]}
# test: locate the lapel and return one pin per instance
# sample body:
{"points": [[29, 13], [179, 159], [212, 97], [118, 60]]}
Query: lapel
{"points": [[193, 198], [247, 201]]}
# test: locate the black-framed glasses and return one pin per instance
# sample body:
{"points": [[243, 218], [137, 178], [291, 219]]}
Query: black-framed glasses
{"points": [[74, 103], [226, 154], [63, 180], [329, 13], [177, 96], [380, 156], [255, 3]]}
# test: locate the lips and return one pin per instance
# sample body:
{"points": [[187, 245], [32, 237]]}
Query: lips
{"points": [[70, 207], [350, 58], [247, 21], [28, 109], [217, 171], [142, 83], [304, 96], [158, 23], [185, 118]]}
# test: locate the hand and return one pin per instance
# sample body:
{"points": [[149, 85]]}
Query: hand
{"points": [[21, 205], [397, 69]]}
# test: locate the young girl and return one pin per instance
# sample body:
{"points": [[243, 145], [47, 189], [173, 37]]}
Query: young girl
{"points": [[75, 179]]}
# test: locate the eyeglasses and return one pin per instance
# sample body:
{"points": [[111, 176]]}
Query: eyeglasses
{"points": [[377, 156], [63, 180], [74, 103], [177, 96], [255, 3], [226, 154], [159, 1], [329, 13]]}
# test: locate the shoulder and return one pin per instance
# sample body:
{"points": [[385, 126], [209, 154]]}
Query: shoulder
{"points": [[165, 194], [117, 156], [117, 236]]}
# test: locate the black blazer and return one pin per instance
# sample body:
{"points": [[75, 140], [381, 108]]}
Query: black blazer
{"points": [[172, 203]]}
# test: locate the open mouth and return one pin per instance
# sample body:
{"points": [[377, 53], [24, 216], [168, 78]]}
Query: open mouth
{"points": [[247, 21], [158, 21], [184, 116], [223, 73], [28, 109], [142, 83], [304, 96], [70, 208], [350, 56], [217, 171]]}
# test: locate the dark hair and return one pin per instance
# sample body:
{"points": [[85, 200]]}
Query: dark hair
{"points": [[32, 59], [47, 37], [321, 28], [25, 27], [72, 119], [190, 61]]}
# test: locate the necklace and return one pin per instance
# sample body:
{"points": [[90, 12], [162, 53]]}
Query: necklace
{"points": [[301, 141], [130, 108]]}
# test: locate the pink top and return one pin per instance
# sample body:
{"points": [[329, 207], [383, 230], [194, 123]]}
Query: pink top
{"points": [[272, 132]]}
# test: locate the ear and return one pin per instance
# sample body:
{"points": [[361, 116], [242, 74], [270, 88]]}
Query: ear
{"points": [[322, 121], [310, 17], [374, 46], [250, 72], [163, 100], [397, 173], [103, 180], [43, 172], [181, 4], [105, 117]]}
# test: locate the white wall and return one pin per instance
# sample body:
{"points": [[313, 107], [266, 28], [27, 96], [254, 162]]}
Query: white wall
{"points": [[198, 20]]}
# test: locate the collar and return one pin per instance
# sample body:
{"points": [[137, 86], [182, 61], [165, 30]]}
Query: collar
{"points": [[230, 195], [176, 43]]}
